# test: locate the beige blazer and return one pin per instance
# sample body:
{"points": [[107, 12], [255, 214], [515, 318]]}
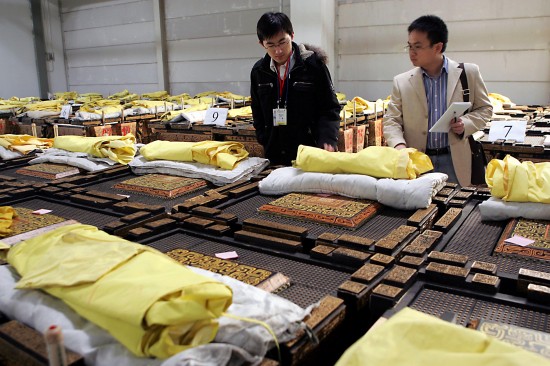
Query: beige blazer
{"points": [[406, 119]]}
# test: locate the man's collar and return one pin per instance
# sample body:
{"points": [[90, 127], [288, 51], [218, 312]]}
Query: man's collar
{"points": [[444, 67], [273, 67]]}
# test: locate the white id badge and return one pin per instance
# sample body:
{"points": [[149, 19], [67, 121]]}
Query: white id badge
{"points": [[279, 117]]}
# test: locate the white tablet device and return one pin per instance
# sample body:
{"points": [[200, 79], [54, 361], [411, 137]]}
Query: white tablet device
{"points": [[456, 109]]}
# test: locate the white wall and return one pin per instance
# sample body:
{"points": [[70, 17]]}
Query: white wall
{"points": [[17, 61], [212, 45], [109, 45], [314, 23], [509, 40]]}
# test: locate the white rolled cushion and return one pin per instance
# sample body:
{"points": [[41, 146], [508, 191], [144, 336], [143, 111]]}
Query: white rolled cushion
{"points": [[495, 209], [288, 180]]}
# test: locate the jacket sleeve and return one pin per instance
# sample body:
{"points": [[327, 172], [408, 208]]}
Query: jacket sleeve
{"points": [[257, 114], [328, 124], [482, 110], [392, 123]]}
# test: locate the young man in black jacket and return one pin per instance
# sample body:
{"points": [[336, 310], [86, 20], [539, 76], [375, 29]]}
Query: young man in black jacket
{"points": [[293, 99]]}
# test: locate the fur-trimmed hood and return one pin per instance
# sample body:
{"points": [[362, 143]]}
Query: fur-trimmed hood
{"points": [[307, 50]]}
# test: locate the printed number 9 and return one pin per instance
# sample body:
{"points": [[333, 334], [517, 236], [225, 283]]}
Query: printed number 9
{"points": [[214, 116]]}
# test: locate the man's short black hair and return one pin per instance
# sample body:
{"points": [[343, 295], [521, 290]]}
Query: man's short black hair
{"points": [[435, 28], [272, 23]]}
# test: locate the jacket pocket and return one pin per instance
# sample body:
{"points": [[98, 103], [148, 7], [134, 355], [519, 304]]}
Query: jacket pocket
{"points": [[303, 86], [264, 88]]}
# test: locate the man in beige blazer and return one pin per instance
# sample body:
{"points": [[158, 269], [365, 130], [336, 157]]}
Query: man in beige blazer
{"points": [[420, 96]]}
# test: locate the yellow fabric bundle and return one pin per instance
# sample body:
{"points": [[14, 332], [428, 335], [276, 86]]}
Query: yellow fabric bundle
{"points": [[240, 112], [364, 106], [413, 338], [24, 143], [7, 214], [158, 95], [517, 181], [48, 105], [150, 303], [129, 98], [117, 148], [201, 100], [11, 105], [177, 98], [376, 161], [88, 97], [66, 95], [152, 104], [119, 95], [229, 95], [206, 94], [501, 98], [102, 105], [340, 96], [224, 154], [24, 99], [360, 105]]}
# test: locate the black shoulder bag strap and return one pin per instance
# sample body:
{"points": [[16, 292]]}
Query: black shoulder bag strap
{"points": [[466, 96], [475, 147], [464, 82]]}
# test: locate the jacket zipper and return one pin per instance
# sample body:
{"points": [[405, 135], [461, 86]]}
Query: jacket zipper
{"points": [[301, 83]]}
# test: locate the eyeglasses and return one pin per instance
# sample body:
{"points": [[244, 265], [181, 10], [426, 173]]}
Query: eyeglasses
{"points": [[272, 46], [415, 48]]}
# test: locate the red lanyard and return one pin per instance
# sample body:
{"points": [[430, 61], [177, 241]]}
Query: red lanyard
{"points": [[282, 82]]}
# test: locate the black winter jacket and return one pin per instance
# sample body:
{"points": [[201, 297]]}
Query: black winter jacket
{"points": [[313, 112]]}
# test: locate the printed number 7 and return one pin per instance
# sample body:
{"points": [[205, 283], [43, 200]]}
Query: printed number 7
{"points": [[214, 116], [509, 129]]}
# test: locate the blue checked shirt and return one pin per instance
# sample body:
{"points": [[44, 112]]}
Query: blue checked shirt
{"points": [[436, 94]]}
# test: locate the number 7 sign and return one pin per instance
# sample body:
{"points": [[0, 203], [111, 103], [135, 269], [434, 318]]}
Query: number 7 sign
{"points": [[508, 130]]}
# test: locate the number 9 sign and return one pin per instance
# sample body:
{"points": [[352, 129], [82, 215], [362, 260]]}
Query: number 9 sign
{"points": [[215, 116]]}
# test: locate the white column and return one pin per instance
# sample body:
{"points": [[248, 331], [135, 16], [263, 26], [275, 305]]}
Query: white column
{"points": [[314, 23], [53, 41]]}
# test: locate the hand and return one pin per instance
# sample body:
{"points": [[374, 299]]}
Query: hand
{"points": [[457, 126], [328, 147], [400, 146]]}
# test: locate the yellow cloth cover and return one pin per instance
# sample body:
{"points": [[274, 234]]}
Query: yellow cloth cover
{"points": [[48, 105], [376, 161], [24, 143], [413, 338], [224, 154], [201, 100], [119, 95], [517, 181], [150, 303], [229, 95], [152, 104], [177, 98], [70, 95], [240, 112], [117, 148], [7, 214], [25, 99], [206, 94], [158, 95], [500, 97]]}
